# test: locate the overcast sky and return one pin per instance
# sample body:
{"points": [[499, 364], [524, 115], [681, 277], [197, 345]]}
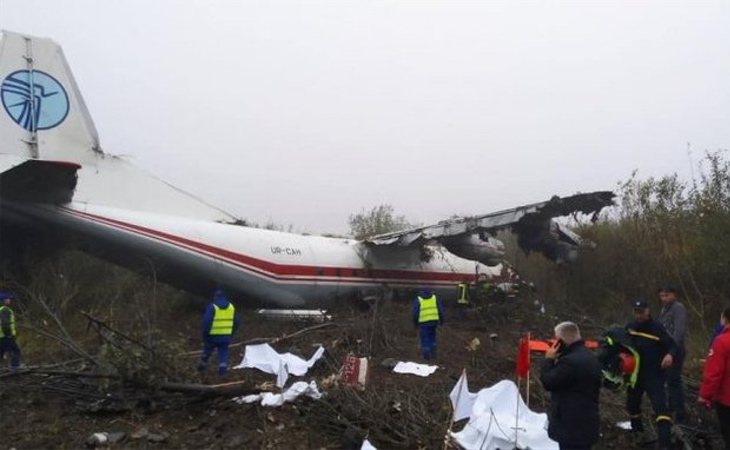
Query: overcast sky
{"points": [[304, 112]]}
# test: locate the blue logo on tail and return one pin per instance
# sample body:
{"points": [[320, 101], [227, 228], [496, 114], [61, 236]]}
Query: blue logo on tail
{"points": [[46, 107]]}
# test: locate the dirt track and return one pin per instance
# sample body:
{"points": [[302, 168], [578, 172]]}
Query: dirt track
{"points": [[396, 411]]}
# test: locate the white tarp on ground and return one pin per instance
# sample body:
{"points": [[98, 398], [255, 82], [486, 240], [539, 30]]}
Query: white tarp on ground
{"points": [[422, 370], [492, 421], [266, 359], [366, 445], [462, 401], [294, 391]]}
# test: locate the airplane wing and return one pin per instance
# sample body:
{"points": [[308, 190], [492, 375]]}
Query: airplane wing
{"points": [[469, 237]]}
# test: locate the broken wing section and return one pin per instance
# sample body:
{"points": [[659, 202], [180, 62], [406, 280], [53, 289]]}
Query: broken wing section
{"points": [[472, 237]]}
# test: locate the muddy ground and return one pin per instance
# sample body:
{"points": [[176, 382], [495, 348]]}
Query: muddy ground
{"points": [[395, 411]]}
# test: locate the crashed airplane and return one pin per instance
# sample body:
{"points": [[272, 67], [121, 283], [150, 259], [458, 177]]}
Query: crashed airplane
{"points": [[54, 177]]}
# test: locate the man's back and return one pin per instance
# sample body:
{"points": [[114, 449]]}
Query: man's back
{"points": [[574, 382]]}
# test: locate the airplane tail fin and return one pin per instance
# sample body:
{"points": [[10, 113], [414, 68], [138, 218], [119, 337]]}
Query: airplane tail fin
{"points": [[44, 115]]}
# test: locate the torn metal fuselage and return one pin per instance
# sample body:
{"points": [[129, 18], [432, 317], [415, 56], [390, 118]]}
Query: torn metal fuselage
{"points": [[537, 232], [476, 247]]}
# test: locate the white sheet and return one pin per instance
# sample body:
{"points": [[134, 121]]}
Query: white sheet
{"points": [[492, 422], [295, 390], [366, 445], [266, 359], [422, 370], [462, 401]]}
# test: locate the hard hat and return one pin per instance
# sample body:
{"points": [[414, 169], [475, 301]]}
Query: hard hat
{"points": [[628, 363]]}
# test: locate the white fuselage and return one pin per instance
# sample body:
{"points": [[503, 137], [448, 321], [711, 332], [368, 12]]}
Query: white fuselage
{"points": [[265, 267]]}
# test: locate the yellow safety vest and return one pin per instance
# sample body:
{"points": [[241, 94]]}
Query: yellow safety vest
{"points": [[222, 321], [428, 310], [12, 322], [463, 297]]}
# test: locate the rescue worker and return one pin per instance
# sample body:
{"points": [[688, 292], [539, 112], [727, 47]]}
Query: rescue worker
{"points": [[8, 331], [655, 349], [673, 317], [715, 389], [427, 315], [572, 374], [219, 323], [462, 299], [618, 359]]}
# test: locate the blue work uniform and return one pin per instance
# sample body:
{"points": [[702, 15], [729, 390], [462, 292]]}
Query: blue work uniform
{"points": [[219, 323], [427, 316], [7, 336]]}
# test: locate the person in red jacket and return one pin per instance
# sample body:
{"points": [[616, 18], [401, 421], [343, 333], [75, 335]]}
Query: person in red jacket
{"points": [[715, 389]]}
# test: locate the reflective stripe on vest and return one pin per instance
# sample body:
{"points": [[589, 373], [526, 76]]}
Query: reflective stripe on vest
{"points": [[12, 322], [222, 321], [463, 296], [644, 335], [428, 309]]}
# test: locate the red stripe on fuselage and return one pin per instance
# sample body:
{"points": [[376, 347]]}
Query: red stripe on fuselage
{"points": [[281, 271]]}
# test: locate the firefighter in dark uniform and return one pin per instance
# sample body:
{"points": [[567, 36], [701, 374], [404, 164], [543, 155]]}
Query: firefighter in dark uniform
{"points": [[655, 349]]}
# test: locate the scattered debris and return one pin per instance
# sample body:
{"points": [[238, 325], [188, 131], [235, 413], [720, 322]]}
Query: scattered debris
{"points": [[356, 370], [474, 345], [295, 315], [389, 363], [157, 438], [104, 438], [142, 433], [295, 390], [422, 370]]}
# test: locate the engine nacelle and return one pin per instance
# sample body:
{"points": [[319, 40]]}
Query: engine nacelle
{"points": [[555, 241], [485, 249]]}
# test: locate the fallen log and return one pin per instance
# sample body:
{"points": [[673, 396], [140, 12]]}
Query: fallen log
{"points": [[233, 388]]}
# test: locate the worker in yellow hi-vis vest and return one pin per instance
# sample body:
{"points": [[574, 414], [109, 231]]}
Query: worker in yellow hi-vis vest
{"points": [[8, 331], [427, 315], [219, 323], [462, 299]]}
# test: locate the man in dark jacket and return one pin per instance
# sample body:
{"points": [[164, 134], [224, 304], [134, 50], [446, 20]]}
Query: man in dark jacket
{"points": [[572, 374], [656, 351], [219, 323]]}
